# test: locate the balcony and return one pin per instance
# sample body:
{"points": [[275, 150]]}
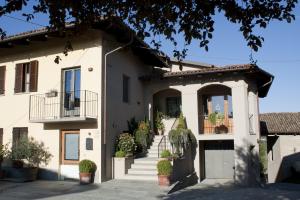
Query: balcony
{"points": [[54, 107], [220, 127]]}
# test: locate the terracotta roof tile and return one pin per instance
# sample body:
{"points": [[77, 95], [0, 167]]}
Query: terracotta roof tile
{"points": [[280, 123], [228, 68]]}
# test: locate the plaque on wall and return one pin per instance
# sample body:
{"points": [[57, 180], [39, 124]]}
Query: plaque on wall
{"points": [[89, 143]]}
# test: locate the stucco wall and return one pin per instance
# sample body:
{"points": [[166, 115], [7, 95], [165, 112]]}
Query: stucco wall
{"points": [[246, 146], [283, 150], [120, 63], [15, 107]]}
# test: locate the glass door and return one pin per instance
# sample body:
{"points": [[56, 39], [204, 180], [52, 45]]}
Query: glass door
{"points": [[71, 92]]}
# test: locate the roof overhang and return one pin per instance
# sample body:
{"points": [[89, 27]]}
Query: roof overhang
{"points": [[262, 78], [113, 26]]}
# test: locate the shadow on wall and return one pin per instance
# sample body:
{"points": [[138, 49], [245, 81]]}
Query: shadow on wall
{"points": [[286, 172], [184, 174], [247, 170]]}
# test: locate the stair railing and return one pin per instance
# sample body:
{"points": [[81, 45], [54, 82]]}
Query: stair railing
{"points": [[162, 145]]}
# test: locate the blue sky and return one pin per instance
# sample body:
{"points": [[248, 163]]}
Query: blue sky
{"points": [[280, 54]]}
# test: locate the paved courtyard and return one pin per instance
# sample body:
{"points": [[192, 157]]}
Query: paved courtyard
{"points": [[123, 190]]}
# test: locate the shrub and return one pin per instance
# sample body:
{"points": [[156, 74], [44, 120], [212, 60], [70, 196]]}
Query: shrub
{"points": [[3, 152], [164, 168], [181, 122], [87, 166], [263, 159], [144, 125], [32, 151], [165, 154], [126, 143], [141, 139], [132, 125], [159, 125], [120, 154], [182, 138]]}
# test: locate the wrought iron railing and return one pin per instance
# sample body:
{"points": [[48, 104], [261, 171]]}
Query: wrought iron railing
{"points": [[63, 105], [162, 145]]}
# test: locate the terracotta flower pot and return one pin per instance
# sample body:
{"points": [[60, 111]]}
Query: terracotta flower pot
{"points": [[85, 178], [164, 180]]}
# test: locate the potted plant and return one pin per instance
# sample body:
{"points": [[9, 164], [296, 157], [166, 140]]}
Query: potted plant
{"points": [[160, 127], [166, 155], [126, 143], [3, 154], [26, 157], [52, 93], [123, 159], [215, 118], [164, 169], [87, 169]]}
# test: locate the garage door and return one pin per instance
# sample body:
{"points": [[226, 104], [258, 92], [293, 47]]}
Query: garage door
{"points": [[219, 159]]}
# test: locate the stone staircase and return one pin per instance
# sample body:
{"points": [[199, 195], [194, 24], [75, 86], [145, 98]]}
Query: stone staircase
{"points": [[145, 168]]}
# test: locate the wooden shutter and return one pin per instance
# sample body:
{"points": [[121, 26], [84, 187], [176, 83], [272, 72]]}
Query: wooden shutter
{"points": [[18, 134], [33, 76], [1, 136], [18, 78], [2, 79]]}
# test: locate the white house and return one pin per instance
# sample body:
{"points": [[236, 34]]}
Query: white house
{"points": [[111, 76]]}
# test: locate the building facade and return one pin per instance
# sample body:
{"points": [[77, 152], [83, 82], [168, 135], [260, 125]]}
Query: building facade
{"points": [[78, 106]]}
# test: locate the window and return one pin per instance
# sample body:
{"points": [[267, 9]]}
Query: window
{"points": [[173, 106], [126, 85], [70, 147], [26, 77], [218, 104], [2, 79], [19, 133]]}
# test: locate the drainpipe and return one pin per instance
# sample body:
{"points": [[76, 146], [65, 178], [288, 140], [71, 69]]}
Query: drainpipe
{"points": [[268, 83], [105, 103]]}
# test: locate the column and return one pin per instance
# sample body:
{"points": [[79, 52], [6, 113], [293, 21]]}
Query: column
{"points": [[241, 131], [189, 98]]}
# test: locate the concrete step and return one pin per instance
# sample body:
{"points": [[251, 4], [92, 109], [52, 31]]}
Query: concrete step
{"points": [[150, 161], [142, 171], [140, 177], [153, 151], [152, 155], [143, 166]]}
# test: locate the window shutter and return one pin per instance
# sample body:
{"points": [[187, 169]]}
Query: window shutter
{"points": [[18, 78], [2, 79], [18, 134], [33, 76], [1, 136]]}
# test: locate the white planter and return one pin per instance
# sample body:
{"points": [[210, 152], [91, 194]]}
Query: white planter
{"points": [[121, 166]]}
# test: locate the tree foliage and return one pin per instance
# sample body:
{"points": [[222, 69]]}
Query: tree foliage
{"points": [[194, 19]]}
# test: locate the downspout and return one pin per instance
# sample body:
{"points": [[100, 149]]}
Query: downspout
{"points": [[267, 83], [105, 102]]}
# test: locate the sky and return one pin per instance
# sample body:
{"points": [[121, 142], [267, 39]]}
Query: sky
{"points": [[280, 54]]}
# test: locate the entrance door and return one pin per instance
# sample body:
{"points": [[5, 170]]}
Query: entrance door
{"points": [[71, 92], [70, 147], [219, 159]]}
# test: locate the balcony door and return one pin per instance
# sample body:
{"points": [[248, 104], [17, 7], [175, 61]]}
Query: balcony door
{"points": [[71, 92]]}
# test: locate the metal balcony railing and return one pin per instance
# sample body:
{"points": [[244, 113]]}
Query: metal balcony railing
{"points": [[56, 106]]}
